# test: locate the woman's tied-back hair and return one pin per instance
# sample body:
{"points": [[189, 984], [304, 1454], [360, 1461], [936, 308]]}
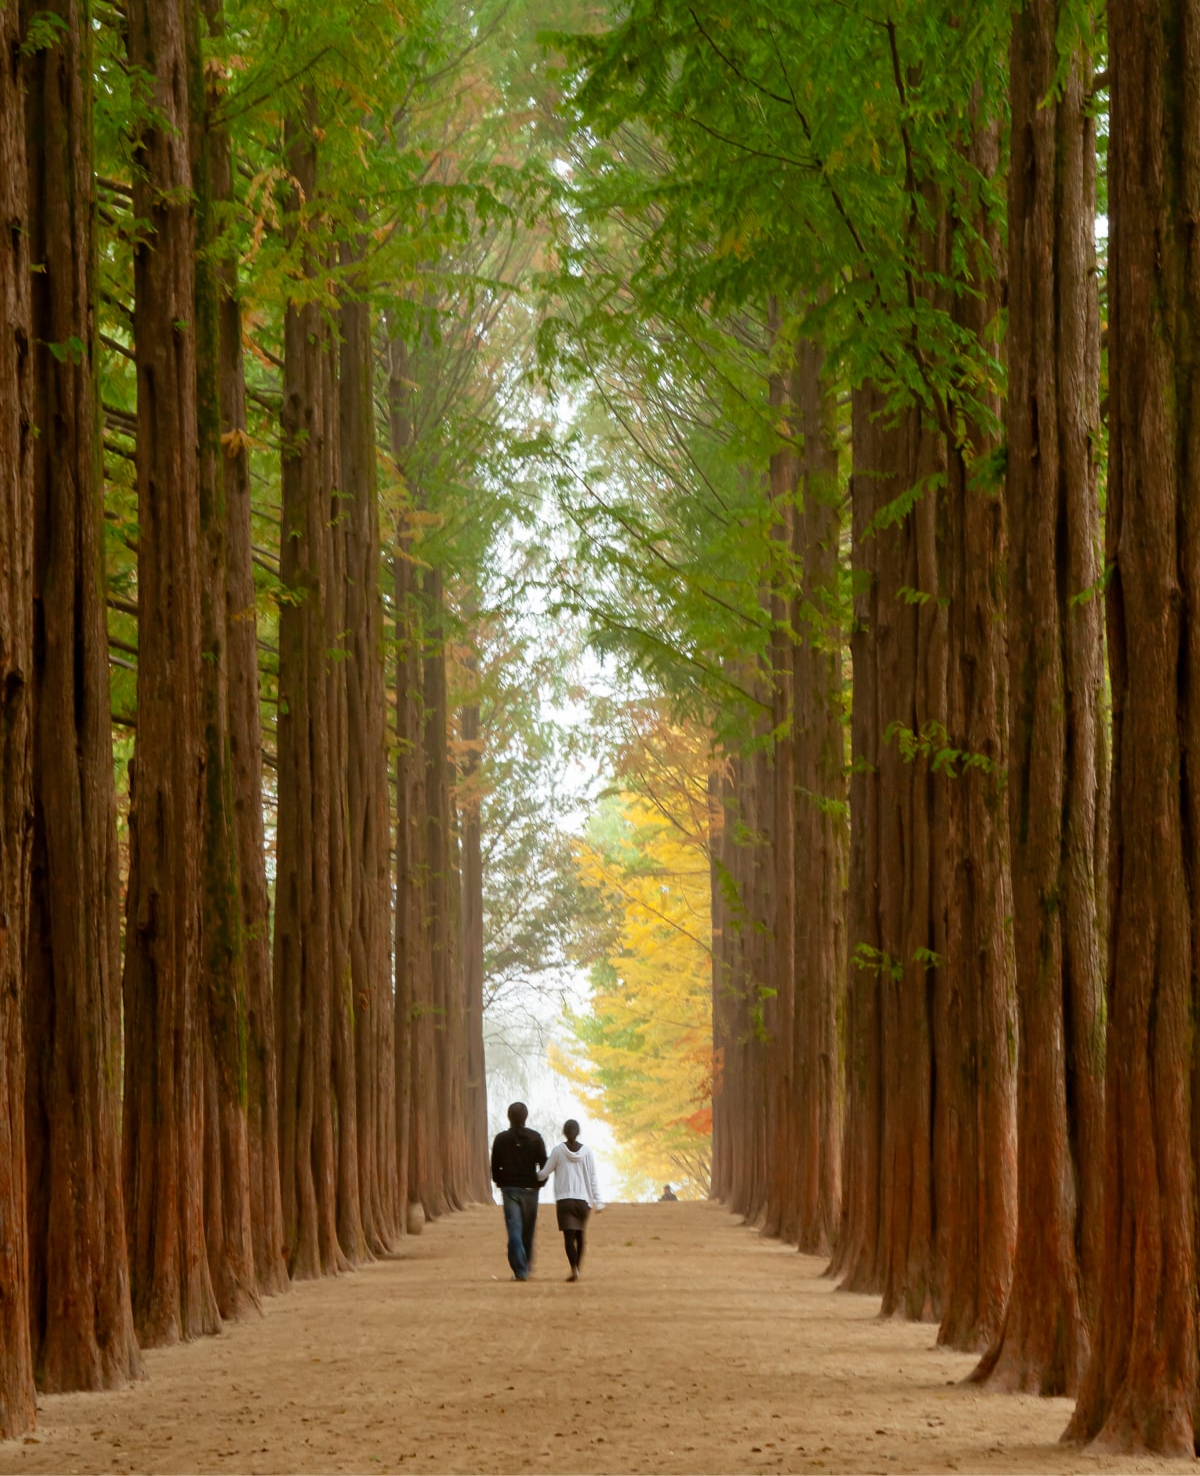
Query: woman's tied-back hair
{"points": [[571, 1130]]}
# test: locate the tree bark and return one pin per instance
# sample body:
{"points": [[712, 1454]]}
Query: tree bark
{"points": [[976, 982], [367, 776], [910, 656], [164, 1117], [81, 1316], [409, 770], [1057, 763], [309, 989], [227, 1169], [245, 752], [17, 1407], [443, 1022], [479, 1180], [858, 1258], [786, 1168], [1140, 1390], [819, 843]]}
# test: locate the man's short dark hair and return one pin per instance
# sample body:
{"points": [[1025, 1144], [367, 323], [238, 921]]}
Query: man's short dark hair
{"points": [[517, 1113]]}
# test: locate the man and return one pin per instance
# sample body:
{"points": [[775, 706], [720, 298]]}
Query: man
{"points": [[517, 1154]]}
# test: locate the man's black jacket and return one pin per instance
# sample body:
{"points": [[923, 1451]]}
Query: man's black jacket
{"points": [[517, 1154]]}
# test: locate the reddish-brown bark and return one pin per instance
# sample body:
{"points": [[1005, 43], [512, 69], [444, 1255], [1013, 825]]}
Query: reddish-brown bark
{"points": [[721, 1173], [367, 780], [975, 983], [309, 987], [81, 1317], [17, 1409], [245, 753], [858, 1258], [1056, 765], [443, 1021], [228, 1236], [1140, 1389], [744, 876], [410, 770], [164, 1118], [819, 845], [780, 1087], [932, 904], [910, 655], [478, 1181]]}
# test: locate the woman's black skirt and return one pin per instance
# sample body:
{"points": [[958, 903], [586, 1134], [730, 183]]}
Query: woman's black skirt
{"points": [[573, 1213]]}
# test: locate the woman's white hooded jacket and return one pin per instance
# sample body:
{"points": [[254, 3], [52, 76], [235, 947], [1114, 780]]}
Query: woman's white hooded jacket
{"points": [[574, 1174]]}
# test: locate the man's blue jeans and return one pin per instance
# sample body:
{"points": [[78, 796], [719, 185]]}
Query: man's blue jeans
{"points": [[520, 1220]]}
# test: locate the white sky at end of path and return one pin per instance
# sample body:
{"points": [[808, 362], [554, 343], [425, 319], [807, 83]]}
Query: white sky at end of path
{"points": [[523, 1073]]}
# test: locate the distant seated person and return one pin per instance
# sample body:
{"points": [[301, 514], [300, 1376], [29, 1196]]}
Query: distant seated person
{"points": [[668, 1193]]}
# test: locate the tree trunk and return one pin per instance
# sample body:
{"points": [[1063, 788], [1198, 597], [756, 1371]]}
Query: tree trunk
{"points": [[81, 1316], [1056, 764], [785, 1164], [723, 1126], [471, 949], [444, 1021], [227, 1170], [1140, 1389], [245, 754], [819, 842], [367, 776], [976, 982], [910, 658], [17, 1408], [409, 934], [308, 988], [858, 1259], [164, 1115]]}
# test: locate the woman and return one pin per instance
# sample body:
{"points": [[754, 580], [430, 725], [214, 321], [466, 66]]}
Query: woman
{"points": [[575, 1189]]}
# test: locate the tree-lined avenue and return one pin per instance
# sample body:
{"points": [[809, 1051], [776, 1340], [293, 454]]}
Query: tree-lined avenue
{"points": [[693, 1344]]}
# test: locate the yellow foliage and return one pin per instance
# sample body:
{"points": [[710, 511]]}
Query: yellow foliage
{"points": [[645, 1048]]}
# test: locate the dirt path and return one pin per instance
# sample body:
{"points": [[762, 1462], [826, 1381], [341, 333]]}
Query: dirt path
{"points": [[692, 1344]]}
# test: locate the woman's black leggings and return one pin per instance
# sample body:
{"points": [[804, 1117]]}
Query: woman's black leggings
{"points": [[573, 1240]]}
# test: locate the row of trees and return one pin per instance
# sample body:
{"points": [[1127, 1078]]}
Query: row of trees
{"points": [[830, 284], [240, 280]]}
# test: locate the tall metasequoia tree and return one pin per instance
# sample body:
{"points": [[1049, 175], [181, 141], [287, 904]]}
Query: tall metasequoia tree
{"points": [[410, 941], [245, 742], [471, 953], [778, 929], [778, 1083], [974, 979], [819, 845], [896, 1139], [17, 1408], [859, 1257], [435, 1023], [444, 1017], [82, 1320], [368, 799], [937, 1017], [1057, 760], [228, 1236], [317, 1112], [164, 1015], [744, 877], [1141, 1387]]}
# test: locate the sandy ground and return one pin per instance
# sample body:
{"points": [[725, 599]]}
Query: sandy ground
{"points": [[692, 1344]]}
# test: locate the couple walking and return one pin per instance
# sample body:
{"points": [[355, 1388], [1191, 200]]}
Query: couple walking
{"points": [[520, 1166]]}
